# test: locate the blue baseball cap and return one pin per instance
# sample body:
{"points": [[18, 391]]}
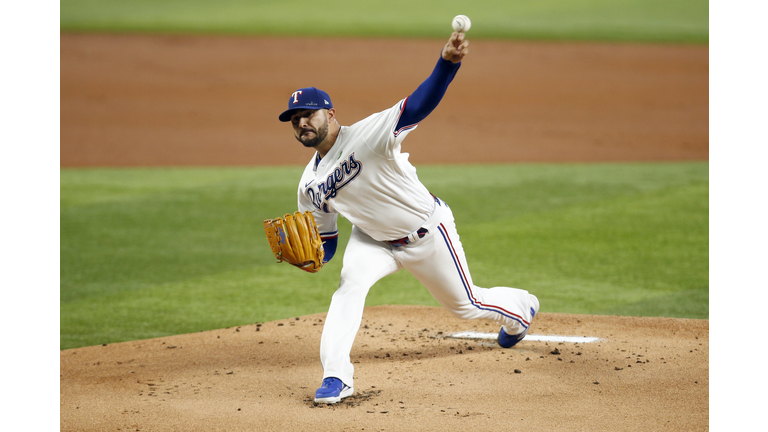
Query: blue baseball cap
{"points": [[306, 98]]}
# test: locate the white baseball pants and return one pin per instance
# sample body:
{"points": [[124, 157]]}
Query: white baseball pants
{"points": [[438, 262]]}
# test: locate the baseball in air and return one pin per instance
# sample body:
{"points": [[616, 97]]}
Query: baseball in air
{"points": [[461, 23]]}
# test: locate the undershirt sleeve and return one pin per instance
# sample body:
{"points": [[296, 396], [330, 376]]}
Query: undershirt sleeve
{"points": [[330, 241], [428, 95]]}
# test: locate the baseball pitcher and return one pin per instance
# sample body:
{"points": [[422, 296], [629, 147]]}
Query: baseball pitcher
{"points": [[360, 172]]}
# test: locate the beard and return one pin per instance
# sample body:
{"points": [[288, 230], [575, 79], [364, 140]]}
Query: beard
{"points": [[319, 136]]}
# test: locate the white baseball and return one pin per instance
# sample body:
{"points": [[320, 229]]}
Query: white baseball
{"points": [[461, 23]]}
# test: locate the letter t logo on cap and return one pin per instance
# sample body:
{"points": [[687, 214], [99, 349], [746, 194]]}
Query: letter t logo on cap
{"points": [[295, 96]]}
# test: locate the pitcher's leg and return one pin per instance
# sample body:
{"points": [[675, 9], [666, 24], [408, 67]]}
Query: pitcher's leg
{"points": [[365, 262], [438, 262]]}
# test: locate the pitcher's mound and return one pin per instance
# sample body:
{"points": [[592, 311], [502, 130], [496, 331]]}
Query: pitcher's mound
{"points": [[411, 374]]}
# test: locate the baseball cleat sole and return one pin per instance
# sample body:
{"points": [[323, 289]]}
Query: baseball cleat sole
{"points": [[332, 391], [345, 393]]}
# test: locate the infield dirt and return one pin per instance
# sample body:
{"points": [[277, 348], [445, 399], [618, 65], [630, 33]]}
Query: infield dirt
{"points": [[213, 101]]}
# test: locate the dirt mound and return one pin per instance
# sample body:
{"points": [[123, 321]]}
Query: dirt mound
{"points": [[642, 374]]}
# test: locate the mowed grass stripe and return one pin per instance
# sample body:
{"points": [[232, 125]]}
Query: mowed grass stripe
{"points": [[152, 252], [629, 20]]}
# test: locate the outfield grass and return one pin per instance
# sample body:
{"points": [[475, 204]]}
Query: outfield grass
{"points": [[605, 20], [154, 252]]}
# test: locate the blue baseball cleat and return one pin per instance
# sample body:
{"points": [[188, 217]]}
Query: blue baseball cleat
{"points": [[332, 390], [508, 341]]}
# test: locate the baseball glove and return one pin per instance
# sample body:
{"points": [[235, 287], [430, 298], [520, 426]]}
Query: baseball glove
{"points": [[296, 240]]}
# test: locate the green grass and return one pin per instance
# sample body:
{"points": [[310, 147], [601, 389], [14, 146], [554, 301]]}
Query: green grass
{"points": [[154, 252], [605, 20]]}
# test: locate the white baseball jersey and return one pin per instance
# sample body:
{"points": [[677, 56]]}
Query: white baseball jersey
{"points": [[365, 178]]}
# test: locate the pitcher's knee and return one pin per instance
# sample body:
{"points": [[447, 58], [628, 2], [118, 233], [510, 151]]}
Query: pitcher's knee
{"points": [[467, 312]]}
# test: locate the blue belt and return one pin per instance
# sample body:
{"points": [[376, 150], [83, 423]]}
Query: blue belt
{"points": [[405, 240]]}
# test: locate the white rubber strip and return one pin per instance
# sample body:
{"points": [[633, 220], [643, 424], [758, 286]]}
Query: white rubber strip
{"points": [[530, 337]]}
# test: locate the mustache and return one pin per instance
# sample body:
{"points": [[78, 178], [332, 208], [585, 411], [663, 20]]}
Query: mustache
{"points": [[308, 129]]}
